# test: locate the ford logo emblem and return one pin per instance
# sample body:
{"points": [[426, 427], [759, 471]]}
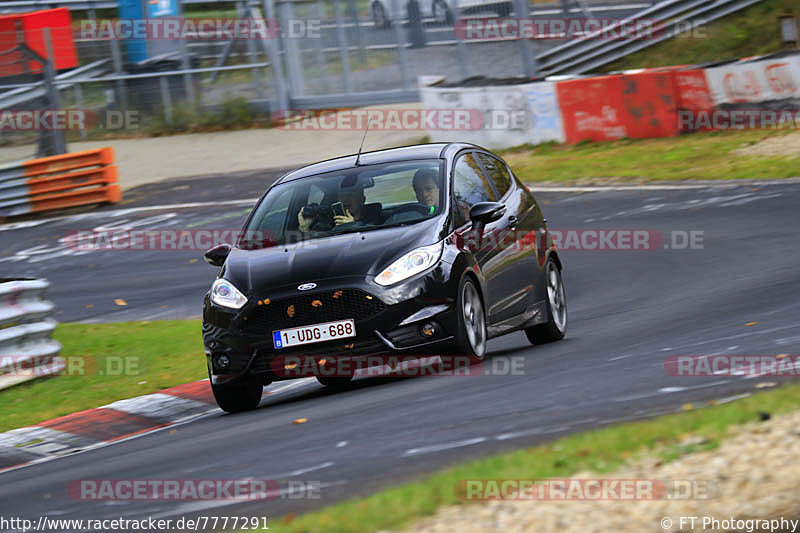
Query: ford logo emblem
{"points": [[306, 286]]}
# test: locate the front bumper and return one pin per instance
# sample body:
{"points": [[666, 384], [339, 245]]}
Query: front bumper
{"points": [[245, 336]]}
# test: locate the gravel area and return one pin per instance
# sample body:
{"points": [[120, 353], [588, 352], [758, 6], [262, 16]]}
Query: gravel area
{"points": [[784, 145], [755, 474]]}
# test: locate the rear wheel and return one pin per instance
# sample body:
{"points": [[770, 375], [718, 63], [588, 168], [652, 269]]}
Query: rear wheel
{"points": [[471, 336], [556, 326], [239, 396]]}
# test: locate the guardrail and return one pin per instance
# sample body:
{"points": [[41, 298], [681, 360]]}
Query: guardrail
{"points": [[59, 181], [587, 53], [26, 350]]}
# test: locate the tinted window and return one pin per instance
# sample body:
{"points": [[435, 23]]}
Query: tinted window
{"points": [[469, 187], [498, 173]]}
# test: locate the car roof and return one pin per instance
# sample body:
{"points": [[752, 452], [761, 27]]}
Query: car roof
{"points": [[403, 153]]}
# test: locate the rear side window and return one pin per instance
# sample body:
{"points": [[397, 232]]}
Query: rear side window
{"points": [[470, 186], [498, 173]]}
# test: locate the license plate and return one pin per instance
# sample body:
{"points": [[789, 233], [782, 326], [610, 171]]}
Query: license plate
{"points": [[340, 329]]}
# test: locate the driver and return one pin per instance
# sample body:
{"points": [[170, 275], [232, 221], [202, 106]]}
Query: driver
{"points": [[426, 187]]}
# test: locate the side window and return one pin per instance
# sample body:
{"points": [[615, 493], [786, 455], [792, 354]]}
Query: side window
{"points": [[498, 173], [469, 187]]}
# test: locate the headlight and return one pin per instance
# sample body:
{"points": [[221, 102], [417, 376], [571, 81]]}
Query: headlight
{"points": [[224, 293], [413, 262]]}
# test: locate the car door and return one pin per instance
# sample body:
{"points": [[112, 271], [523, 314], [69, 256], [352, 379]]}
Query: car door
{"points": [[471, 186], [510, 272]]}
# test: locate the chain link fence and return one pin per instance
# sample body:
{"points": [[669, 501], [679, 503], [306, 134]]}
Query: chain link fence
{"points": [[309, 54]]}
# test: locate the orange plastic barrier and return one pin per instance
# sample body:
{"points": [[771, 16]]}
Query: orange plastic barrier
{"points": [[590, 108], [51, 185], [694, 97], [606, 108]]}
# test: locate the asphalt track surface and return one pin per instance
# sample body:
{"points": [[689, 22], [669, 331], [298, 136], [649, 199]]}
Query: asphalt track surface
{"points": [[628, 311]]}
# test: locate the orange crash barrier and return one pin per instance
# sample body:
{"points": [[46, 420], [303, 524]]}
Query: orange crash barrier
{"points": [[605, 108], [60, 181]]}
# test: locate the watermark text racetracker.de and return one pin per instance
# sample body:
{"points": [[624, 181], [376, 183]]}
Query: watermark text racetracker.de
{"points": [[505, 28], [235, 490], [67, 120], [47, 524], [606, 239], [173, 28], [749, 366], [573, 489], [72, 365]]}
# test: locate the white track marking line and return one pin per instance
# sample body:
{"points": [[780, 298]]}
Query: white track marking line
{"points": [[529, 432], [445, 446], [302, 471]]}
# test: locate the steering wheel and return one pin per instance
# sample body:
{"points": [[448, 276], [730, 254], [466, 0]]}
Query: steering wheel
{"points": [[420, 208]]}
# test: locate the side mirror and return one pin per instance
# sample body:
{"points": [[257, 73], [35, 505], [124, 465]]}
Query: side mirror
{"points": [[217, 255], [483, 213]]}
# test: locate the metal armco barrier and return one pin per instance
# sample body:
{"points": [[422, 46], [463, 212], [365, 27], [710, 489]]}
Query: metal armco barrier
{"points": [[60, 181], [26, 350]]}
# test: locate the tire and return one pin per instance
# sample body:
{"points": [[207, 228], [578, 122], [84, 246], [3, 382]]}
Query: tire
{"points": [[442, 12], [379, 17], [556, 326], [240, 396], [335, 383], [471, 335]]}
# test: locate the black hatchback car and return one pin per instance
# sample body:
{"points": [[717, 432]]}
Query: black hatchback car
{"points": [[426, 249]]}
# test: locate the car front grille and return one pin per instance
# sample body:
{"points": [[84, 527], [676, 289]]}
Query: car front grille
{"points": [[314, 308]]}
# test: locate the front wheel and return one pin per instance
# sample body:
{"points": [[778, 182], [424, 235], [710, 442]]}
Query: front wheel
{"points": [[556, 326], [471, 336], [239, 396]]}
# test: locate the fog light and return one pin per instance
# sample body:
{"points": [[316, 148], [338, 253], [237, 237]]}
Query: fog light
{"points": [[222, 361], [428, 329]]}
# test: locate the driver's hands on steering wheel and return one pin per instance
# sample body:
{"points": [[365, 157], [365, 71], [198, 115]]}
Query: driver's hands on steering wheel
{"points": [[304, 223], [344, 219]]}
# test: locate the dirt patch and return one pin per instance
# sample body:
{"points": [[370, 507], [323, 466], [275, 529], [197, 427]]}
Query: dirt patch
{"points": [[788, 145]]}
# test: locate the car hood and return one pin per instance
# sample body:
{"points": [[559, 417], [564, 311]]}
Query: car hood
{"points": [[351, 254]]}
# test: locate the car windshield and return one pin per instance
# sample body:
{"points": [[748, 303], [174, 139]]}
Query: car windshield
{"points": [[353, 200]]}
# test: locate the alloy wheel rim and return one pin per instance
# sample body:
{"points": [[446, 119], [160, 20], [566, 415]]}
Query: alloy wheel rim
{"points": [[474, 322], [555, 295]]}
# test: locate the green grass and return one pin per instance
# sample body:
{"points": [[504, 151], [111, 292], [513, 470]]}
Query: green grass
{"points": [[599, 451], [166, 353], [703, 155], [753, 31]]}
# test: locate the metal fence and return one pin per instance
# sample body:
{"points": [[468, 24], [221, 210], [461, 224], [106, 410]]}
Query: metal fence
{"points": [[26, 350], [332, 53]]}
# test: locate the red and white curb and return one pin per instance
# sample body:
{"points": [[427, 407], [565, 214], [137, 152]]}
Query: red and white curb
{"points": [[103, 425]]}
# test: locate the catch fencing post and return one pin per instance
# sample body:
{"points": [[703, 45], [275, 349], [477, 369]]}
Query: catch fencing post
{"points": [[401, 44], [344, 52], [529, 62]]}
